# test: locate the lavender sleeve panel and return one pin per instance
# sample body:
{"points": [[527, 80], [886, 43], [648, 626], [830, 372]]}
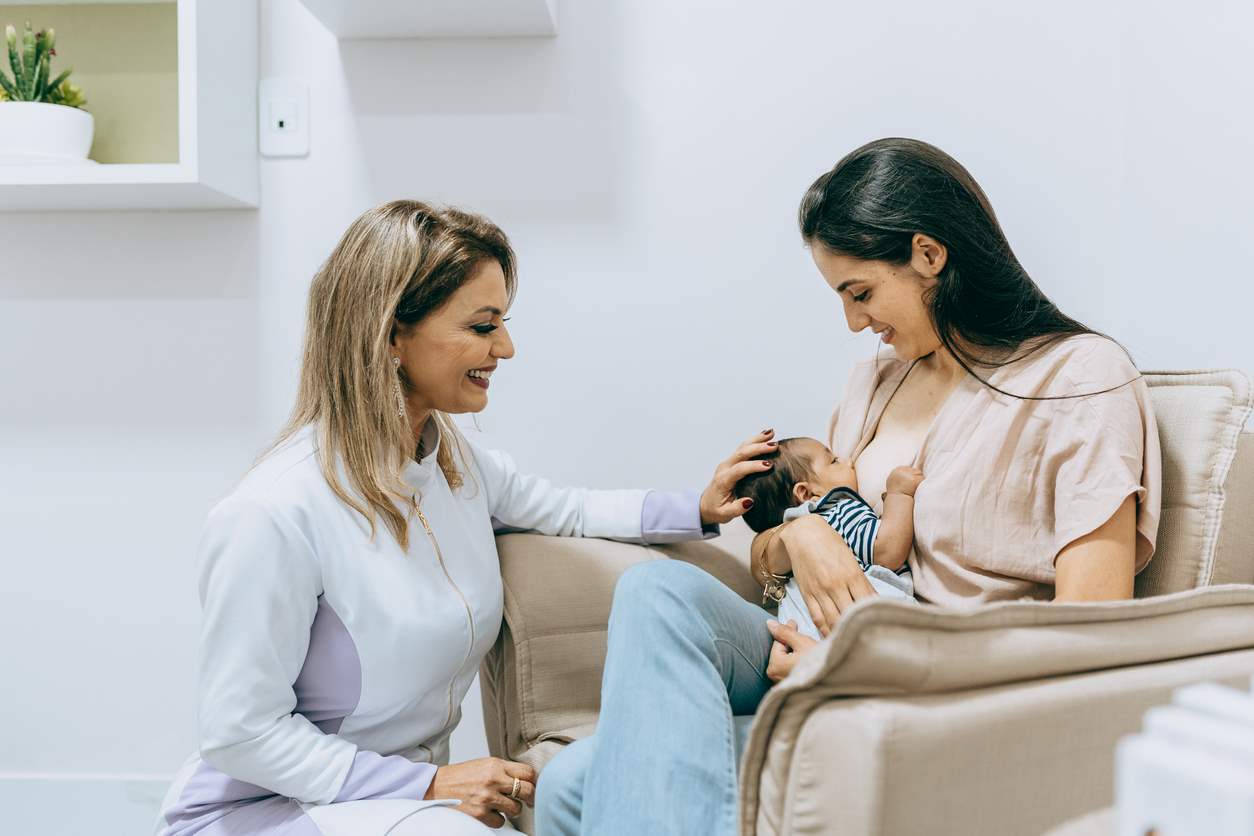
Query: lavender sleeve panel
{"points": [[377, 776], [673, 517]]}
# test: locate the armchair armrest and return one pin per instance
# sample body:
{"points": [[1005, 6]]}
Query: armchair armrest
{"points": [[541, 681], [1022, 702]]}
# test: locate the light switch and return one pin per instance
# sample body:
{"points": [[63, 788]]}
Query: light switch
{"points": [[283, 117]]}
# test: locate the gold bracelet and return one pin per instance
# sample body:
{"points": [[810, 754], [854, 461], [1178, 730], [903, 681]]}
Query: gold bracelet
{"points": [[773, 590]]}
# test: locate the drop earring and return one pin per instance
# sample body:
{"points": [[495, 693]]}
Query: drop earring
{"points": [[396, 388]]}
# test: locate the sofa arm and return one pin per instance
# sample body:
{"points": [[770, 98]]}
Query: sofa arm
{"points": [[541, 681], [1035, 689]]}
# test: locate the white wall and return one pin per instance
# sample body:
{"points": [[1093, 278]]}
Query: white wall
{"points": [[647, 164]]}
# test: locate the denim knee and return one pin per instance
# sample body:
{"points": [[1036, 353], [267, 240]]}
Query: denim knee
{"points": [[559, 790], [645, 586]]}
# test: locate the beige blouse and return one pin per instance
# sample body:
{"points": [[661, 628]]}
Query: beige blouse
{"points": [[1007, 482]]}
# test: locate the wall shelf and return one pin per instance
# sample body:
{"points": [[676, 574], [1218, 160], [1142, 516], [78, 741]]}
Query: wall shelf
{"points": [[172, 85], [437, 18]]}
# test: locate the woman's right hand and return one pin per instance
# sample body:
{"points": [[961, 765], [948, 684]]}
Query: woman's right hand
{"points": [[483, 787], [827, 572]]}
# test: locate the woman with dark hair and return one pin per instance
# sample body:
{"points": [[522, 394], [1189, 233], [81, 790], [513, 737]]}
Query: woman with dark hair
{"points": [[1040, 451]]}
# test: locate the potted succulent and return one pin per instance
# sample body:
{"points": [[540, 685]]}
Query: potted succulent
{"points": [[42, 119]]}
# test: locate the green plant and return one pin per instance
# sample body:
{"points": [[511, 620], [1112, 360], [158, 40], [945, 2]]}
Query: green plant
{"points": [[30, 64]]}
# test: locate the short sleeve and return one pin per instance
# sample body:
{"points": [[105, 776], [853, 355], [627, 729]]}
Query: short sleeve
{"points": [[1101, 449]]}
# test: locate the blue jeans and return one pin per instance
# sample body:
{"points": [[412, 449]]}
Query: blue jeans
{"points": [[686, 656]]}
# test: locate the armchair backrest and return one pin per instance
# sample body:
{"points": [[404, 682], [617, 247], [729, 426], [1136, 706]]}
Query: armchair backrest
{"points": [[1206, 531]]}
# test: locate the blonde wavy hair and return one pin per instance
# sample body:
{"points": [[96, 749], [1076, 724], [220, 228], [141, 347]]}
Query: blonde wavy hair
{"points": [[395, 265]]}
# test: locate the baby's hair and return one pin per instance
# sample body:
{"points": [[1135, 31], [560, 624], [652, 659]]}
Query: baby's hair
{"points": [[771, 490]]}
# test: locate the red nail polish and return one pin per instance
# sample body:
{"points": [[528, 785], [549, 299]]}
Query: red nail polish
{"points": [[767, 432], [747, 503], [766, 464], [772, 444]]}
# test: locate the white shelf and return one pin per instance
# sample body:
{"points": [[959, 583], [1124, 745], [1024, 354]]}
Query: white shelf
{"points": [[117, 186], [212, 157], [437, 18]]}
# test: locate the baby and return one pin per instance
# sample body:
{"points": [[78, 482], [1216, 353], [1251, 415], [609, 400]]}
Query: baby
{"points": [[808, 479]]}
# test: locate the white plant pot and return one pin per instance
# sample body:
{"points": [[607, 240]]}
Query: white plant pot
{"points": [[36, 132]]}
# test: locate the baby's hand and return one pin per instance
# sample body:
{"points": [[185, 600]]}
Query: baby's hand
{"points": [[904, 480]]}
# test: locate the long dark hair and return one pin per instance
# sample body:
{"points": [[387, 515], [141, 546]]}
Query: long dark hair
{"points": [[871, 204]]}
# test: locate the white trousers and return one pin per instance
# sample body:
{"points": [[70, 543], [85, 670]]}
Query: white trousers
{"points": [[445, 821], [398, 817]]}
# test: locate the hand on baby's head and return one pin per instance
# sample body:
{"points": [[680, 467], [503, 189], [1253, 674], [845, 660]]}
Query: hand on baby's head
{"points": [[771, 492], [904, 479], [804, 468]]}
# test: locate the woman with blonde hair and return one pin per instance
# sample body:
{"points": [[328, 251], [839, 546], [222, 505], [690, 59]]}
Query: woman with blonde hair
{"points": [[350, 584]]}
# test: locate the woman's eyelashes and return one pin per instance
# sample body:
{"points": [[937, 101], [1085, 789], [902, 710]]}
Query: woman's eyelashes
{"points": [[487, 327]]}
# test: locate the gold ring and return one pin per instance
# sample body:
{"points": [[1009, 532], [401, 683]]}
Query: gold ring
{"points": [[514, 792]]}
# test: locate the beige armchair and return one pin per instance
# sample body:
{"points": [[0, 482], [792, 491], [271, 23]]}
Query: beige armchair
{"points": [[918, 720]]}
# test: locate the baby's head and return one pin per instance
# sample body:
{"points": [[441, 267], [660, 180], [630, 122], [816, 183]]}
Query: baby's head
{"points": [[804, 469]]}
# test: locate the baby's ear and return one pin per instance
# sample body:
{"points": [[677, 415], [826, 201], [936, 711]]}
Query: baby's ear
{"points": [[801, 492]]}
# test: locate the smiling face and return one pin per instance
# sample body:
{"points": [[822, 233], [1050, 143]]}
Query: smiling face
{"points": [[448, 357], [887, 298], [827, 470]]}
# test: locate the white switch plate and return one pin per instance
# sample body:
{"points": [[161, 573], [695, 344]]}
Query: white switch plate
{"points": [[283, 117]]}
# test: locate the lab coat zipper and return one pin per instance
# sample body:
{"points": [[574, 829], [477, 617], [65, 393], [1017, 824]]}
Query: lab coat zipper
{"points": [[470, 618]]}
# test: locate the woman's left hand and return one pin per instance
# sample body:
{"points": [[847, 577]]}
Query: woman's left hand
{"points": [[788, 647], [719, 503]]}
